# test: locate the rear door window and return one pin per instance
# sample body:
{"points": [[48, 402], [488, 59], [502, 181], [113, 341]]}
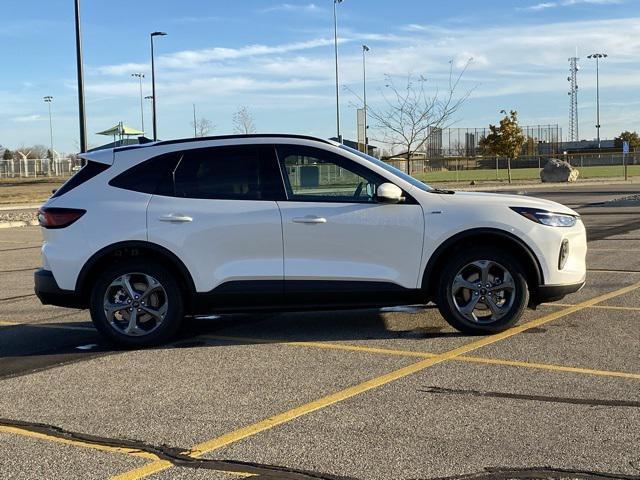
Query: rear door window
{"points": [[228, 173]]}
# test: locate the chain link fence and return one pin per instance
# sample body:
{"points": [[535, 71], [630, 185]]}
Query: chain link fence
{"points": [[590, 165], [38, 168]]}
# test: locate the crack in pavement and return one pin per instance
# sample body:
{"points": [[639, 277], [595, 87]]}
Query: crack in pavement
{"points": [[178, 457], [19, 270], [538, 473], [537, 398], [18, 297], [19, 248]]}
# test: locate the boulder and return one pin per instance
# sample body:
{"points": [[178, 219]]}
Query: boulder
{"points": [[558, 171]]}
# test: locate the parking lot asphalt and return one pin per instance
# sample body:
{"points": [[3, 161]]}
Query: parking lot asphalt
{"points": [[369, 394]]}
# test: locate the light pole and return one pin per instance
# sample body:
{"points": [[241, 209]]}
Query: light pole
{"points": [[153, 85], [48, 99], [140, 76], [81, 113], [598, 56], [365, 49], [195, 123], [335, 37]]}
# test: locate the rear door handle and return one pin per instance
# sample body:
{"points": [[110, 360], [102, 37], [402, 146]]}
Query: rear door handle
{"points": [[175, 218], [310, 220]]}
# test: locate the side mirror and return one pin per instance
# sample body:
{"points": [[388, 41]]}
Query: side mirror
{"points": [[389, 193]]}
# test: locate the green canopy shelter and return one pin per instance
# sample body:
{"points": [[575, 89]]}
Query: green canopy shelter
{"points": [[119, 131]]}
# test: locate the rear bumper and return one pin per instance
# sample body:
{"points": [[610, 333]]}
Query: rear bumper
{"points": [[553, 293], [49, 293]]}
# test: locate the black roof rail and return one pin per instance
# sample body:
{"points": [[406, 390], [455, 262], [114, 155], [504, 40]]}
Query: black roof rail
{"points": [[228, 137]]}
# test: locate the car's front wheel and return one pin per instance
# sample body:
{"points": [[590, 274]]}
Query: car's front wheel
{"points": [[482, 291], [137, 304]]}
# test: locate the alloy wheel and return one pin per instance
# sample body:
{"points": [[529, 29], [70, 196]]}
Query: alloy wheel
{"points": [[483, 291], [135, 304]]}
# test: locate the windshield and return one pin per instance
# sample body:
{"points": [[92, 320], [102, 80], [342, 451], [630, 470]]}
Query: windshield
{"points": [[393, 170]]}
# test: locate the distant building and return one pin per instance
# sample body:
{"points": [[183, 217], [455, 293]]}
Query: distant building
{"points": [[433, 145], [470, 143]]}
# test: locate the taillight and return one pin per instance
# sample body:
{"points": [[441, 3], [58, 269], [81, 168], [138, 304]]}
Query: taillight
{"points": [[59, 217]]}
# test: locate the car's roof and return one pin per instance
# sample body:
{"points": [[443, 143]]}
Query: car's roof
{"points": [[107, 155], [224, 137]]}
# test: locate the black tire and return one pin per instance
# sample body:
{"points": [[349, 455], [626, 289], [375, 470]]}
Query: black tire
{"points": [[159, 331], [448, 302]]}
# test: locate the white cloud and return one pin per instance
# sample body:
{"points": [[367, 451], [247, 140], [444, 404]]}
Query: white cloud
{"points": [[542, 6], [27, 118], [414, 27], [290, 7], [511, 64], [189, 59], [516, 60], [570, 3], [122, 69]]}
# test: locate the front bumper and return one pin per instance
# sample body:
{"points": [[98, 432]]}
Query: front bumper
{"points": [[553, 293], [49, 293]]}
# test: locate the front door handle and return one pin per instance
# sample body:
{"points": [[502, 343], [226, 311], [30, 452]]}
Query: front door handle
{"points": [[312, 220], [175, 218]]}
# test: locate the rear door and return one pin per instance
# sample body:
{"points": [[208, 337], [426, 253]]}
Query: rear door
{"points": [[217, 211], [337, 237]]}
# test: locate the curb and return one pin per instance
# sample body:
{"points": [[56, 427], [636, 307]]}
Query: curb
{"points": [[32, 223], [5, 208]]}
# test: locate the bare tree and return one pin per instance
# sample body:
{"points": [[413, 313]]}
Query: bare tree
{"points": [[410, 114], [32, 152], [243, 121], [202, 127]]}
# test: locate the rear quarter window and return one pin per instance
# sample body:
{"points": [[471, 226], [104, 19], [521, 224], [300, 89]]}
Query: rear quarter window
{"points": [[146, 176], [86, 173]]}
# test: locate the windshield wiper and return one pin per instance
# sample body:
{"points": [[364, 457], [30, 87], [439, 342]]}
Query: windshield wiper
{"points": [[441, 191]]}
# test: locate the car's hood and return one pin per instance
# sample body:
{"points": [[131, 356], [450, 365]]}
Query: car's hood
{"points": [[480, 198]]}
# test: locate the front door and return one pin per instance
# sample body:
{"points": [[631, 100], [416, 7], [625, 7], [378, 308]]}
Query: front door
{"points": [[336, 236]]}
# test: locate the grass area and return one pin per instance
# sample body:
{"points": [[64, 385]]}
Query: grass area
{"points": [[27, 191], [522, 174]]}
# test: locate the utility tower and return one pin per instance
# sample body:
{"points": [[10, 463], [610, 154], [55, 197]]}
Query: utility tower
{"points": [[573, 99]]}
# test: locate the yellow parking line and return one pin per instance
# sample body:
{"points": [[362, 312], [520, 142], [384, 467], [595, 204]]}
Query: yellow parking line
{"points": [[284, 417], [601, 307], [592, 249], [8, 324], [324, 345], [604, 270], [46, 325], [421, 354], [78, 443], [548, 366], [104, 448]]}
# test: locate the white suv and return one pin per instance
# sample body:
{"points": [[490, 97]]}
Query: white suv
{"points": [[144, 235]]}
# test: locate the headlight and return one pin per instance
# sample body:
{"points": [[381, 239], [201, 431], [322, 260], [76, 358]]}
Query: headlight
{"points": [[544, 217]]}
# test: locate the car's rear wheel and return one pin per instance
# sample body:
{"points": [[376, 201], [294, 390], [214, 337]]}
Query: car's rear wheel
{"points": [[482, 291], [137, 304]]}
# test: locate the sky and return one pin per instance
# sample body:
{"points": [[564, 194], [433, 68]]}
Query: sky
{"points": [[277, 59]]}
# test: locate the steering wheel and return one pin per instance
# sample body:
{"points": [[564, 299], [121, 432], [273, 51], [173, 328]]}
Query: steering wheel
{"points": [[358, 189]]}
